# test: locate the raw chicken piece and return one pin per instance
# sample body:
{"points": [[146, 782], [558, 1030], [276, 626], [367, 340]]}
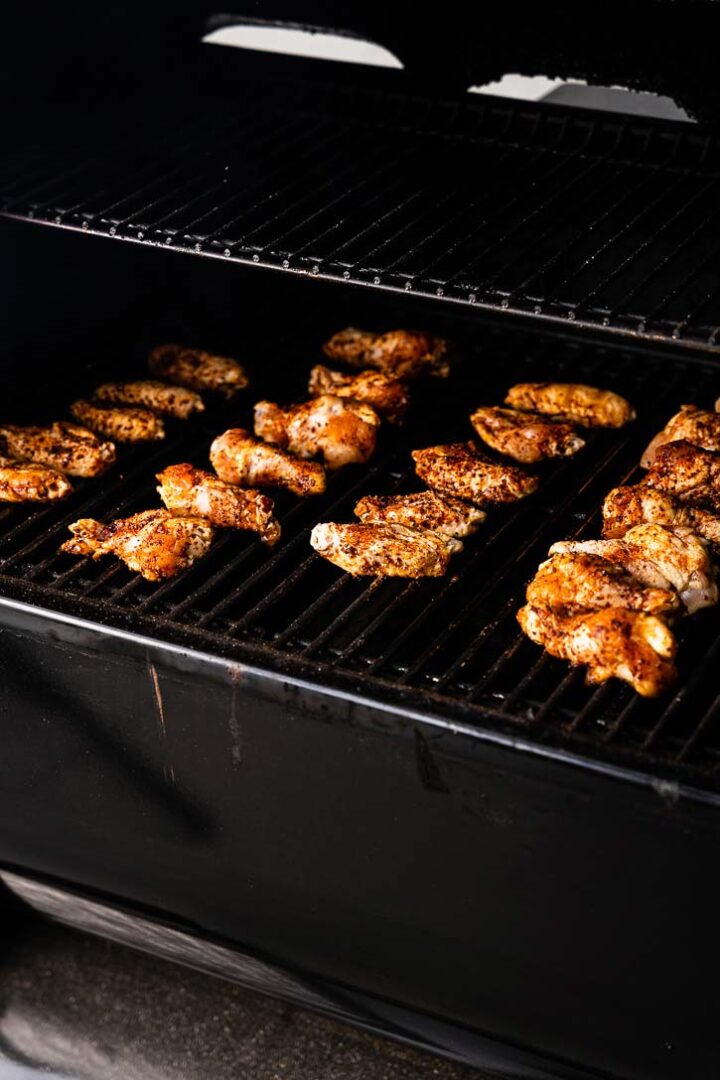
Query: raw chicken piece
{"points": [[31, 483], [192, 492], [425, 510], [151, 394], [625, 507], [388, 396], [384, 550], [697, 426], [122, 425], [586, 405], [459, 469], [572, 582], [71, 449], [197, 369], [403, 353], [344, 432], [238, 458], [689, 473], [524, 437]]}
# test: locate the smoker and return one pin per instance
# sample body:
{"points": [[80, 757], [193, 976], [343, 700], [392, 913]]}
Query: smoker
{"points": [[374, 797]]}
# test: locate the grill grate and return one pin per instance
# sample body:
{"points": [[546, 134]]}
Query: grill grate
{"points": [[556, 213], [448, 646]]}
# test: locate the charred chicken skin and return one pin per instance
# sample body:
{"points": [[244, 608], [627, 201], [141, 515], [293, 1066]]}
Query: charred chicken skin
{"points": [[153, 543], [687, 472], [525, 438], [425, 510], [388, 396], [382, 550], [119, 424], [626, 507], [614, 643], [191, 492], [238, 458], [402, 353], [580, 404], [71, 449], [575, 581], [697, 426], [167, 400], [197, 369], [344, 432], [21, 483], [460, 470]]}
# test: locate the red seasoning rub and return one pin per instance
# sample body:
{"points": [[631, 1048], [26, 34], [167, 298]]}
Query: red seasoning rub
{"points": [[405, 354], [238, 458], [575, 402], [121, 425], [389, 396], [462, 471], [423, 510], [525, 437], [384, 550], [697, 426], [197, 369], [31, 483], [175, 401], [344, 432], [192, 492], [68, 447]]}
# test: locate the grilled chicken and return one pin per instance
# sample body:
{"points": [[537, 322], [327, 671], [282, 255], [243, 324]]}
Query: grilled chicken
{"points": [[577, 581], [31, 483], [689, 473], [659, 557], [154, 543], [403, 353], [238, 458], [119, 424], [625, 507], [384, 550], [191, 492], [151, 394], [71, 449], [459, 469], [614, 643], [425, 510], [524, 437], [575, 402], [388, 396], [697, 426], [344, 432], [197, 369]]}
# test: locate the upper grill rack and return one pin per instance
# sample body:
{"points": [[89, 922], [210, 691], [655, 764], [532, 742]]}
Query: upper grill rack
{"points": [[555, 213]]}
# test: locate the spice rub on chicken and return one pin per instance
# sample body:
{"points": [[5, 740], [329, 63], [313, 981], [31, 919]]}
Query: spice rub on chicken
{"points": [[698, 426], [153, 543], [461, 470], [637, 504], [238, 458], [21, 483], [68, 447], [575, 581], [403, 353], [389, 396], [575, 402], [423, 510], [198, 369], [383, 550], [524, 437], [344, 432], [119, 424], [192, 492], [688, 473], [176, 401]]}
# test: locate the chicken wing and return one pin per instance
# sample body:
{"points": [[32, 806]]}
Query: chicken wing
{"points": [[384, 550], [575, 402], [403, 353], [197, 369], [424, 510], [191, 492], [151, 394], [659, 557], [577, 581], [238, 458], [154, 543], [524, 437], [122, 425], [388, 396], [459, 469], [697, 426], [31, 483], [71, 449], [344, 432], [613, 643], [625, 507], [689, 473]]}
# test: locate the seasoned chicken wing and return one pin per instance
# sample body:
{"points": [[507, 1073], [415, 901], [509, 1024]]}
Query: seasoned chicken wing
{"points": [[576, 402], [384, 550], [120, 424], [404, 353], [152, 394], [524, 437], [238, 458], [424, 510], [613, 643], [625, 507], [658, 557], [697, 426], [575, 581], [31, 483], [197, 369], [344, 432], [689, 473], [459, 469], [388, 396], [192, 492], [154, 543], [71, 449]]}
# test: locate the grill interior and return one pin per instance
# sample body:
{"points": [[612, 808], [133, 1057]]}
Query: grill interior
{"points": [[448, 646]]}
